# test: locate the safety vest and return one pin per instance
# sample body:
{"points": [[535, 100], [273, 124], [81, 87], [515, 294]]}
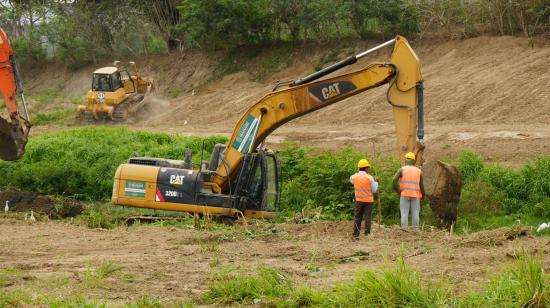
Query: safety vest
{"points": [[362, 185], [410, 182], [5, 48]]}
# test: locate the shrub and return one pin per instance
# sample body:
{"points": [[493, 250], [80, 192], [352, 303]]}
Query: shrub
{"points": [[322, 180], [230, 286], [497, 187], [522, 285], [81, 163], [470, 164], [397, 286]]}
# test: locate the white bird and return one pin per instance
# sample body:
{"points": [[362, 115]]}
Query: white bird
{"points": [[7, 207], [32, 218], [543, 226], [193, 92]]}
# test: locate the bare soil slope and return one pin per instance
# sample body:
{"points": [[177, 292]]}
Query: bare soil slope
{"points": [[486, 93]]}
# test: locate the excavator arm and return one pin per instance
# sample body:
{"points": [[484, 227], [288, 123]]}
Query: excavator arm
{"points": [[13, 134], [405, 94]]}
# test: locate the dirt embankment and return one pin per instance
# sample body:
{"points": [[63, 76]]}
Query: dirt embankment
{"points": [[486, 94]]}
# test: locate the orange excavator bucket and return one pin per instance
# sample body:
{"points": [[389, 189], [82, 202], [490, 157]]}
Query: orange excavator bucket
{"points": [[13, 139]]}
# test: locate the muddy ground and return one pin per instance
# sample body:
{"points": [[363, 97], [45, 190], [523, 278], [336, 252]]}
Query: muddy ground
{"points": [[53, 258]]}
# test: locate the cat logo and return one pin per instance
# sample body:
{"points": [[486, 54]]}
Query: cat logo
{"points": [[330, 91], [327, 91], [176, 179]]}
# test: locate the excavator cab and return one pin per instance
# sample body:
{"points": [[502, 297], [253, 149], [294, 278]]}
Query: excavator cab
{"points": [[259, 183]]}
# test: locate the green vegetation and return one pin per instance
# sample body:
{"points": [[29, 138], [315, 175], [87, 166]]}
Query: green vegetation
{"points": [[54, 117], [523, 284], [94, 277], [221, 24], [495, 195], [229, 286], [81, 163], [81, 32], [321, 180]]}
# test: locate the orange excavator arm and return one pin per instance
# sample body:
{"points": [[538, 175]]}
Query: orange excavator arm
{"points": [[13, 134], [405, 94]]}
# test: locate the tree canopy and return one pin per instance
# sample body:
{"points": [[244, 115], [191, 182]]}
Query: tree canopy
{"points": [[77, 30]]}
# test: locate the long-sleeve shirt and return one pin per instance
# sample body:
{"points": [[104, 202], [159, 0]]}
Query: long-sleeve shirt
{"points": [[373, 183]]}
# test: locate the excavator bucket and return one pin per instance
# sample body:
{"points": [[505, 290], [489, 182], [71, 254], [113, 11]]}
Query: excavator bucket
{"points": [[443, 185], [12, 140]]}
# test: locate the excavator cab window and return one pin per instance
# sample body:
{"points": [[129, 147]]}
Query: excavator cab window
{"points": [[272, 191], [260, 182]]}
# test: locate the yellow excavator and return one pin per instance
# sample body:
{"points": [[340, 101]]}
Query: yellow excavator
{"points": [[116, 94], [244, 179]]}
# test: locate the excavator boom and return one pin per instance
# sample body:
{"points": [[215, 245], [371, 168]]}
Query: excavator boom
{"points": [[305, 96]]}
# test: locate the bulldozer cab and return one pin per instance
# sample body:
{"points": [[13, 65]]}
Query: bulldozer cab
{"points": [[107, 80], [259, 184]]}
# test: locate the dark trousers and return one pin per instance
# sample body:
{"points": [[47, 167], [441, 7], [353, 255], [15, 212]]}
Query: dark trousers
{"points": [[362, 209]]}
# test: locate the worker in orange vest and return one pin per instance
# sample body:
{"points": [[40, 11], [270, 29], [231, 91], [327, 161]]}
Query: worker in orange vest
{"points": [[409, 184], [365, 186]]}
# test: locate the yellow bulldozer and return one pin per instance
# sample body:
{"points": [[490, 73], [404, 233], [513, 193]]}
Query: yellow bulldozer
{"points": [[116, 93]]}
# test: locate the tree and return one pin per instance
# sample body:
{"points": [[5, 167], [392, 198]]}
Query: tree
{"points": [[166, 17], [222, 23]]}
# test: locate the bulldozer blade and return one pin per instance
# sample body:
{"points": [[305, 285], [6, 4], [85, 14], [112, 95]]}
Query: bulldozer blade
{"points": [[443, 185], [12, 141]]}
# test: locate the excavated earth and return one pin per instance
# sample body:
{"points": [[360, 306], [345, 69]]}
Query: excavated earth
{"points": [[23, 201]]}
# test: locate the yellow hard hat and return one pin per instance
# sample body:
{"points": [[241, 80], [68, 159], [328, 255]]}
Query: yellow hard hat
{"points": [[363, 163], [410, 155]]}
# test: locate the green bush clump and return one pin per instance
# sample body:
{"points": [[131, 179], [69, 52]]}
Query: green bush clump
{"points": [[81, 163], [524, 284], [228, 286], [525, 190], [322, 180]]}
